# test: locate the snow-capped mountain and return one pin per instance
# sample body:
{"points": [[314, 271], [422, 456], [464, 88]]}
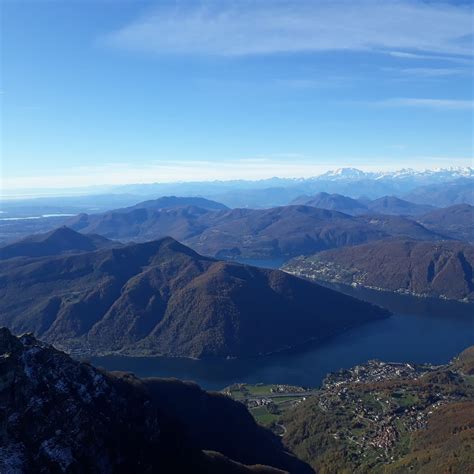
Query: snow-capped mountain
{"points": [[344, 174], [433, 175]]}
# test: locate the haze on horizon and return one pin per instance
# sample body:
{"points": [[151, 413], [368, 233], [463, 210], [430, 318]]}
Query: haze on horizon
{"points": [[106, 93]]}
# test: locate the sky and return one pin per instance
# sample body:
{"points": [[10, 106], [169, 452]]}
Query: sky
{"points": [[100, 92]]}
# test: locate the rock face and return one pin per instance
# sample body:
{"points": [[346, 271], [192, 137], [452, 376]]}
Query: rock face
{"points": [[163, 298], [59, 415], [57, 242], [438, 269]]}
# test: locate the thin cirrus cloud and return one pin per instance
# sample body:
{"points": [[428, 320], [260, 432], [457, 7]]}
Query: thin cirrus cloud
{"points": [[432, 57], [428, 103], [245, 27], [429, 72]]}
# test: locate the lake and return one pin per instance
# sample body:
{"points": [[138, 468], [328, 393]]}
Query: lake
{"points": [[420, 330]]}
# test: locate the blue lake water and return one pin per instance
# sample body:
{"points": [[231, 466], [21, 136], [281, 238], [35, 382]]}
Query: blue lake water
{"points": [[420, 330]]}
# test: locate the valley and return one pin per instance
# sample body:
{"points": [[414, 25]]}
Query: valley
{"points": [[236, 237], [342, 357]]}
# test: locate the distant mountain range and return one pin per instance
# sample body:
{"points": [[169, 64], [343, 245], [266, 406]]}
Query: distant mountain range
{"points": [[244, 193], [460, 191], [437, 269], [439, 174], [163, 298], [354, 183], [389, 205], [295, 230], [56, 242], [281, 232], [60, 415]]}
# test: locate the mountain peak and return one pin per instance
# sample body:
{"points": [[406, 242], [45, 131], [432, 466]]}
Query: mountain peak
{"points": [[56, 242], [343, 173], [173, 202]]}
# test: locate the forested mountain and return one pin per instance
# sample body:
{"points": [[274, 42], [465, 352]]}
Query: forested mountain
{"points": [[438, 269], [56, 242], [161, 297], [456, 221], [333, 202], [249, 233], [393, 205]]}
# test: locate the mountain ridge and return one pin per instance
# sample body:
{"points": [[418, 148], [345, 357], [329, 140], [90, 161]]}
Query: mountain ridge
{"points": [[435, 269], [285, 231], [62, 415], [56, 242], [162, 298]]}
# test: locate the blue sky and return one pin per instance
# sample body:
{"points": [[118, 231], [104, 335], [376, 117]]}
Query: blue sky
{"points": [[107, 92]]}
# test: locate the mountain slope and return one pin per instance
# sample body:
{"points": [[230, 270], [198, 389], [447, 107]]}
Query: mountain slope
{"points": [[400, 226], [162, 298], [393, 205], [459, 191], [174, 202], [142, 224], [166, 216], [441, 269], [60, 415], [456, 221], [280, 232], [59, 241], [333, 202], [387, 418]]}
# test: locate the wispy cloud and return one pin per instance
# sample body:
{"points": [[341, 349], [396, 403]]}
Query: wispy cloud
{"points": [[248, 27], [430, 57], [430, 72], [428, 103]]}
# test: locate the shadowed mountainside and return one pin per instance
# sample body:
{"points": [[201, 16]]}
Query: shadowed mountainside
{"points": [[162, 298], [65, 416], [456, 221], [393, 205]]}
